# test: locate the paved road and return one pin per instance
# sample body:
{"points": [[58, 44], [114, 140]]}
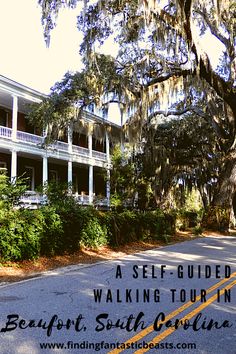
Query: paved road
{"points": [[135, 303]]}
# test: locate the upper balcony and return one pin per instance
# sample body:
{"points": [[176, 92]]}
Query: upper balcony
{"points": [[82, 146], [38, 141]]}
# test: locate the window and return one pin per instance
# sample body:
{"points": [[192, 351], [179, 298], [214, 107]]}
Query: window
{"points": [[53, 176], [3, 167]]}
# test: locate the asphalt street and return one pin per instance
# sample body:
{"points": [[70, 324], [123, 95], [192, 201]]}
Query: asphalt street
{"points": [[175, 299]]}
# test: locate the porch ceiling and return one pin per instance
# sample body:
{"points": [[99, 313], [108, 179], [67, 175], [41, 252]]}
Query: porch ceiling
{"points": [[29, 156], [6, 101]]}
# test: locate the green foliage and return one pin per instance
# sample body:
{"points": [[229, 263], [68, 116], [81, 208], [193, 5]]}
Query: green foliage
{"points": [[128, 226], [93, 234], [180, 156], [129, 186], [63, 226], [187, 219], [20, 230], [193, 200], [59, 194], [11, 191], [27, 234], [116, 201], [122, 178], [145, 193], [66, 102], [70, 225], [51, 239], [74, 218], [20, 234], [169, 76], [217, 218], [198, 230], [188, 206]]}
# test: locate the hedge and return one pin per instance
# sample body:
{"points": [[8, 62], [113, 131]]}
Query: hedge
{"points": [[28, 234]]}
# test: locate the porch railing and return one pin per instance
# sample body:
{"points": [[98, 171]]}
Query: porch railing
{"points": [[58, 145], [99, 155], [5, 132], [101, 201], [82, 199], [33, 200], [29, 138], [80, 150]]}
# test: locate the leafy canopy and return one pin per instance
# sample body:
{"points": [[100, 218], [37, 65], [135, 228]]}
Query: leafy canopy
{"points": [[161, 70], [160, 57]]}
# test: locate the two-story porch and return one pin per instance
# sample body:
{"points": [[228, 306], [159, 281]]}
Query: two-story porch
{"points": [[81, 160]]}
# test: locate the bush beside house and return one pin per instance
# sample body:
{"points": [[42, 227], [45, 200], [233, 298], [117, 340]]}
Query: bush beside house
{"points": [[63, 226], [28, 234]]}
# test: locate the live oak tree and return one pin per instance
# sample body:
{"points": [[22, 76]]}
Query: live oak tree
{"points": [[161, 68], [184, 152]]}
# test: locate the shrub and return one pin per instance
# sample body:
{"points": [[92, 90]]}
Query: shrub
{"points": [[74, 219], [187, 219], [27, 234], [198, 230], [20, 235], [58, 195], [11, 191], [63, 226], [217, 218], [93, 234], [156, 224], [128, 226], [51, 240]]}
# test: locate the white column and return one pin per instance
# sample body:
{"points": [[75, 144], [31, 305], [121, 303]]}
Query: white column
{"points": [[107, 148], [90, 184], [45, 170], [13, 165], [14, 117], [70, 138], [108, 188], [90, 144], [70, 169]]}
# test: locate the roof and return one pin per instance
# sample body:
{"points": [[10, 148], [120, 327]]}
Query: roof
{"points": [[8, 85], [17, 88]]}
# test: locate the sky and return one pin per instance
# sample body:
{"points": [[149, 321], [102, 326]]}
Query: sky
{"points": [[24, 55]]}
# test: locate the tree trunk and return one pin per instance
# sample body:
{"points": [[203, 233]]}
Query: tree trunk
{"points": [[234, 205], [217, 216], [204, 196]]}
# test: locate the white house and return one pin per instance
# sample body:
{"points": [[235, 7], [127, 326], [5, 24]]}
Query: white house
{"points": [[80, 158]]}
